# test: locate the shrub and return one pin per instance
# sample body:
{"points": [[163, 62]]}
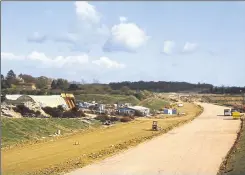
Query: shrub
{"points": [[60, 107], [125, 119], [102, 117], [54, 112], [114, 119], [25, 111], [73, 114]]}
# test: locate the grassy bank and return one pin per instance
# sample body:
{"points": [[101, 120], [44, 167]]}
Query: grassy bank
{"points": [[106, 98], [154, 103], [62, 155], [16, 131], [234, 163]]}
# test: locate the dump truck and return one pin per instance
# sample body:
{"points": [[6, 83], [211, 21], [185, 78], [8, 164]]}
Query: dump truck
{"points": [[69, 99]]}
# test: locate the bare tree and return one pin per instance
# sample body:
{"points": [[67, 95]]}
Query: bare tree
{"points": [[83, 81], [95, 81]]}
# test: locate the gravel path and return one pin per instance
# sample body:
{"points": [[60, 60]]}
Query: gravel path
{"points": [[196, 148]]}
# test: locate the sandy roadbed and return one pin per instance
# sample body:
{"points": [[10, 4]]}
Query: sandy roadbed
{"points": [[196, 148]]}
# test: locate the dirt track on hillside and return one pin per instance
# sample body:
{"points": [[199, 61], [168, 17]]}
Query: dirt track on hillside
{"points": [[196, 148]]}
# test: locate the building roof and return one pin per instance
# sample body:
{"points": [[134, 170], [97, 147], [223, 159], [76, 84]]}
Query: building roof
{"points": [[13, 97], [43, 100], [48, 100], [139, 108]]}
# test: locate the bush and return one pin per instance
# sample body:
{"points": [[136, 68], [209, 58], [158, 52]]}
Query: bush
{"points": [[73, 114], [54, 112], [25, 111], [102, 117], [114, 119], [60, 107], [125, 119], [59, 112]]}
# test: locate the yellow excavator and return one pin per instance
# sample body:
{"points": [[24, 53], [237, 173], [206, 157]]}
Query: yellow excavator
{"points": [[69, 99]]}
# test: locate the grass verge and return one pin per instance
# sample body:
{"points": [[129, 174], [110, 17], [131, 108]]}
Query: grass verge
{"points": [[62, 155], [234, 163]]}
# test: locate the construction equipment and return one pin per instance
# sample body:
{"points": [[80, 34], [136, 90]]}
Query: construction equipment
{"points": [[154, 126], [227, 112], [107, 122], [236, 115], [69, 99]]}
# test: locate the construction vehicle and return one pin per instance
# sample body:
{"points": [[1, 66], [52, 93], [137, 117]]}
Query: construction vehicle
{"points": [[107, 122], [69, 99], [154, 126], [227, 112], [236, 115]]}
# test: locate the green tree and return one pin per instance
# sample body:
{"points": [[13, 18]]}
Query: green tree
{"points": [[11, 78], [125, 90], [27, 78], [42, 82], [4, 84], [62, 83], [54, 84]]}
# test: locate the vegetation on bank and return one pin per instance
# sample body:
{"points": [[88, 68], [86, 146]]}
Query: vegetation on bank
{"points": [[154, 103], [234, 163], [15, 131], [107, 98]]}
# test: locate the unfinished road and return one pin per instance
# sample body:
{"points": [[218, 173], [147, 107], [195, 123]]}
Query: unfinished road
{"points": [[197, 148]]}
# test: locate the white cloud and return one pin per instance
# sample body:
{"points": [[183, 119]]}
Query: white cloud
{"points": [[189, 47], [10, 56], [107, 63], [45, 61], [123, 19], [168, 47], [58, 61], [87, 12], [37, 38], [126, 36]]}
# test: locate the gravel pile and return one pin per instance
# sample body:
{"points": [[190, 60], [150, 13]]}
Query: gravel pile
{"points": [[7, 111]]}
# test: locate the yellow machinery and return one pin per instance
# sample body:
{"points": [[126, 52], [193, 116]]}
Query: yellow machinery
{"points": [[69, 99], [154, 126], [236, 115]]}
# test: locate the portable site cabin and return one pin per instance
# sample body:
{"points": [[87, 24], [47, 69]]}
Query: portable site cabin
{"points": [[165, 111], [174, 111], [170, 111], [142, 111]]}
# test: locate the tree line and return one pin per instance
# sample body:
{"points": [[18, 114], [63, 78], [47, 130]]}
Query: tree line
{"points": [[42, 82], [46, 85]]}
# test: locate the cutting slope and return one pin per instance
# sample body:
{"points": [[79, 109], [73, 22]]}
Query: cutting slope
{"points": [[193, 149]]}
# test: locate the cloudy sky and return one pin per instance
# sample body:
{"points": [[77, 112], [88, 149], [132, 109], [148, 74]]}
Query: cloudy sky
{"points": [[118, 41]]}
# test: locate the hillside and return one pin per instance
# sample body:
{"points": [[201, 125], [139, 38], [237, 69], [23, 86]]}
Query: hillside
{"points": [[154, 103], [106, 98]]}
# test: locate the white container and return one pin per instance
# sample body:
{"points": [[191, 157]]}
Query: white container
{"points": [[180, 105]]}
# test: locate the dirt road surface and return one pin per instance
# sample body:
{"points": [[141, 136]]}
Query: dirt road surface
{"points": [[197, 148]]}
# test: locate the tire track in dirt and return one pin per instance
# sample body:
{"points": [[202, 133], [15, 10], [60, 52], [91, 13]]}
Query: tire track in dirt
{"points": [[197, 148]]}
